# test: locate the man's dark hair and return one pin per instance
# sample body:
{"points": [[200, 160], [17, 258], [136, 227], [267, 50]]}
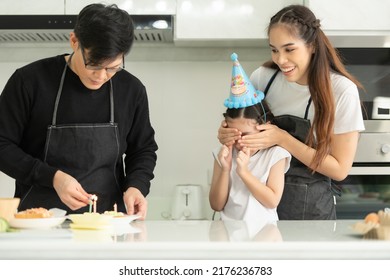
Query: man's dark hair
{"points": [[106, 31]]}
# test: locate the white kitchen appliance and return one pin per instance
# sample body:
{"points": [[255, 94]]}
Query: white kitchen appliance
{"points": [[374, 143], [381, 108], [187, 202]]}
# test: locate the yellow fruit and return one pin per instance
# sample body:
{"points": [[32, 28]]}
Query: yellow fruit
{"points": [[4, 225], [372, 218]]}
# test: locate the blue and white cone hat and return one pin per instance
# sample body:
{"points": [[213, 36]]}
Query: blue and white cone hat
{"points": [[242, 92]]}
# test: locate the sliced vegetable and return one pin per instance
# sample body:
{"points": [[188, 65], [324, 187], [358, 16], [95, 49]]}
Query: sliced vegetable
{"points": [[4, 225]]}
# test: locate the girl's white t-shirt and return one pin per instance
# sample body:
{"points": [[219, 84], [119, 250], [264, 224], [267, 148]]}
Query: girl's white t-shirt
{"points": [[241, 204]]}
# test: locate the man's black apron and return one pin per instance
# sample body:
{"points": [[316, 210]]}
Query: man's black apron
{"points": [[89, 153], [306, 195]]}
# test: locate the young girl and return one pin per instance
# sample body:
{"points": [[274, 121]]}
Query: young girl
{"points": [[317, 112], [247, 183]]}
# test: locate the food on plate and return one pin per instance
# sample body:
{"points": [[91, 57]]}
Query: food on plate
{"points": [[90, 219], [364, 228], [376, 225], [114, 213], [384, 217], [34, 213], [372, 218]]}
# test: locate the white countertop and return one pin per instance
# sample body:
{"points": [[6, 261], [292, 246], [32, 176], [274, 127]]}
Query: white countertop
{"points": [[196, 240]]}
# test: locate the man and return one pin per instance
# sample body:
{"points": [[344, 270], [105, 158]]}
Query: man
{"points": [[73, 126]]}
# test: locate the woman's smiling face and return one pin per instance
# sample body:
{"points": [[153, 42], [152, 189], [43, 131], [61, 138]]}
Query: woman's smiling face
{"points": [[290, 53]]}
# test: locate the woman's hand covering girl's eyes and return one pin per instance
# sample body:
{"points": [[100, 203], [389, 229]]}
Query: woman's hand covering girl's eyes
{"points": [[228, 136]]}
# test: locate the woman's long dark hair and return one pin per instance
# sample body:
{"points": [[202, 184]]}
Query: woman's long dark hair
{"points": [[301, 22]]}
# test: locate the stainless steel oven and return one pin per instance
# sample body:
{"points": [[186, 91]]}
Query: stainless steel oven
{"points": [[367, 188]]}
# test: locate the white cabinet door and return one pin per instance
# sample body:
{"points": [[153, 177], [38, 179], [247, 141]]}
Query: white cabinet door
{"points": [[356, 15], [133, 7], [224, 20], [26, 7]]}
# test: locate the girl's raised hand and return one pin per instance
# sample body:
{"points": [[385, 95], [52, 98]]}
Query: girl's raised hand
{"points": [[225, 157], [243, 157]]}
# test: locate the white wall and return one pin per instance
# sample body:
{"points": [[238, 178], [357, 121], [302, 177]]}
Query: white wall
{"points": [[186, 89]]}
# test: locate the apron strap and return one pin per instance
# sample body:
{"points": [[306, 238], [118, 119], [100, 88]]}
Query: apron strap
{"points": [[111, 103], [307, 108], [54, 120], [270, 82], [269, 85]]}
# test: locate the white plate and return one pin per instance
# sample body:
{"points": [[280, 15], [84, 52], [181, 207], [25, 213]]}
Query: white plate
{"points": [[58, 212], [124, 220], [37, 223], [90, 219], [89, 226]]}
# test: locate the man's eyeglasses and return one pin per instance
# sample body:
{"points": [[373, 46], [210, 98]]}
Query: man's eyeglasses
{"points": [[109, 70]]}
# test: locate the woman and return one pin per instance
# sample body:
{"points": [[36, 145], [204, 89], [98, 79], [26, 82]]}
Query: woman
{"points": [[317, 113]]}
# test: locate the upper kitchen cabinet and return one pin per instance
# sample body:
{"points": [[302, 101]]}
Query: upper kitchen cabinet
{"points": [[152, 19], [224, 22], [358, 23], [26, 7], [133, 7]]}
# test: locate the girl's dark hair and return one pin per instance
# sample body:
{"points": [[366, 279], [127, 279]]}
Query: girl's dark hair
{"points": [[259, 112], [301, 22], [106, 31]]}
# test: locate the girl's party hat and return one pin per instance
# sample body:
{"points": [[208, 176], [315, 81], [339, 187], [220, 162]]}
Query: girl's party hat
{"points": [[242, 92]]}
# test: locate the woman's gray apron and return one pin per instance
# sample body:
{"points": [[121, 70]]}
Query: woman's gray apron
{"points": [[89, 153], [306, 195]]}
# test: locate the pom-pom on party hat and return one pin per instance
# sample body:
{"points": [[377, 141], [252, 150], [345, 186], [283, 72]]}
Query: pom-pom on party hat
{"points": [[242, 92]]}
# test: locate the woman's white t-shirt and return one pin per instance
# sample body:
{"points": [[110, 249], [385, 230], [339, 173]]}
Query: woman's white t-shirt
{"points": [[290, 98]]}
